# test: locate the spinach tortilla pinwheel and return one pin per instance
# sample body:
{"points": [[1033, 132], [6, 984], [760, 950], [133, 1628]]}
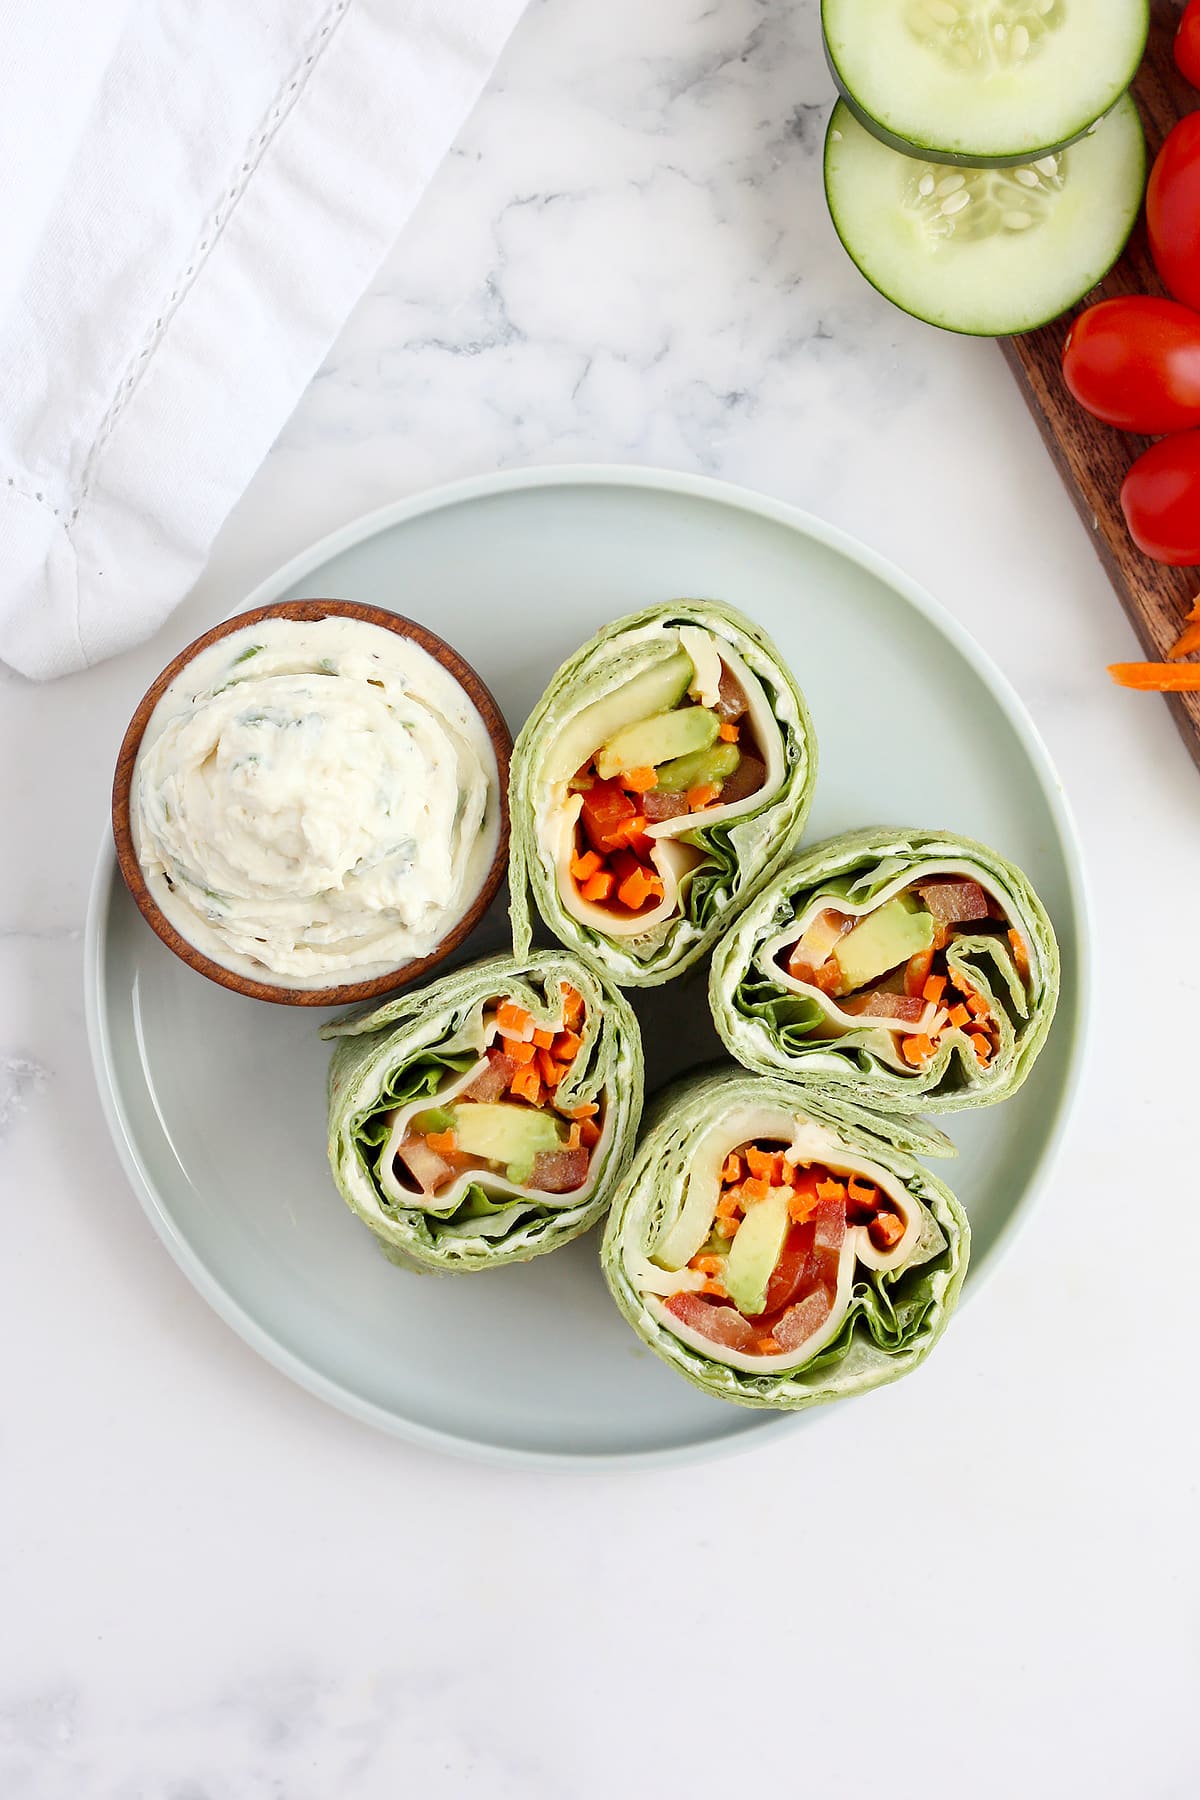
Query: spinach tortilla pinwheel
{"points": [[909, 969], [782, 1248], [664, 775], [486, 1118]]}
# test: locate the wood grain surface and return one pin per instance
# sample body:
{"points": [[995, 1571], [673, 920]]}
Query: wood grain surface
{"points": [[1093, 458], [345, 993]]}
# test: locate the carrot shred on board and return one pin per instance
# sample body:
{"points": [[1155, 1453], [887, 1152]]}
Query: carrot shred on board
{"points": [[729, 732], [441, 1141], [934, 988], [1189, 638], [585, 866], [1157, 678], [598, 886], [700, 797], [527, 1085], [640, 781], [917, 1049]]}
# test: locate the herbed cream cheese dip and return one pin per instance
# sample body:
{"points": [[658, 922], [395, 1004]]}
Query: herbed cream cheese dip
{"points": [[315, 803]]}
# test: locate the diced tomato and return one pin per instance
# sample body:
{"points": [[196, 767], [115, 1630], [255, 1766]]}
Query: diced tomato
{"points": [[879, 1005], [720, 1323], [731, 696], [559, 1171], [746, 779], [427, 1168], [657, 806], [787, 1280], [954, 902], [606, 808], [492, 1082], [802, 1321]]}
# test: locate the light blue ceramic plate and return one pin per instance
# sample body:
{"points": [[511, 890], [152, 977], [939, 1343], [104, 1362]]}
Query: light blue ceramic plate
{"points": [[217, 1103]]}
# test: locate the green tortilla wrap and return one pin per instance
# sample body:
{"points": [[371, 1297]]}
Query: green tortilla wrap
{"points": [[485, 1119], [663, 777], [909, 970], [831, 1270]]}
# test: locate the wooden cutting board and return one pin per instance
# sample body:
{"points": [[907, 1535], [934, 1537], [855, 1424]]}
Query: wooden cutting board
{"points": [[1093, 458]]}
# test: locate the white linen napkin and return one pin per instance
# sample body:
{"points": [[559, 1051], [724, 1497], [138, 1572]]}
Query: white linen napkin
{"points": [[218, 183]]}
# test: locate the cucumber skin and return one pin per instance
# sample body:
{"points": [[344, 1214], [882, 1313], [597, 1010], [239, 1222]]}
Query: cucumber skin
{"points": [[967, 330], [961, 158]]}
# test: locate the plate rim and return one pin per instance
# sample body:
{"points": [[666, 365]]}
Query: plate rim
{"points": [[746, 500]]}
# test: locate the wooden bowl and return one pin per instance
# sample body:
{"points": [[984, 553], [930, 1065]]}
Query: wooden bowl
{"points": [[347, 992]]}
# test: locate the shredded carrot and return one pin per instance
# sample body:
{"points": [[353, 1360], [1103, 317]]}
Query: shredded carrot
{"points": [[514, 1021], [640, 781], [716, 1290], [767, 1346], [574, 1138], [917, 1049], [831, 1190], [732, 1170], [934, 988], [527, 1085], [863, 1193], [572, 1001], [958, 1017], [552, 1072], [763, 1163], [598, 886], [1189, 638], [638, 887], [700, 797], [800, 1207], [707, 1265], [726, 1228], [444, 1142], [1020, 954], [543, 1039], [589, 1131], [982, 1048], [728, 732], [567, 1045], [628, 829], [727, 1206], [587, 1111], [753, 1189], [519, 1050], [1157, 678], [977, 1007], [585, 866]]}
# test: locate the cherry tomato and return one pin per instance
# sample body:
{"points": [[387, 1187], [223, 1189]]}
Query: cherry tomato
{"points": [[1187, 44], [1173, 211], [1136, 363], [1161, 500]]}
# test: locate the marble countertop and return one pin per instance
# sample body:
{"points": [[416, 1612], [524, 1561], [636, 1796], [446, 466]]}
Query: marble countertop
{"points": [[982, 1581]]}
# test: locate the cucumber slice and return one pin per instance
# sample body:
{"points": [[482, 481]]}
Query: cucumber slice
{"points": [[985, 81], [990, 252]]}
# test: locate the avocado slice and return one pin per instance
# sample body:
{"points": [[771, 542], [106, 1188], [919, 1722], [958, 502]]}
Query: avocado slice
{"points": [[434, 1118], [881, 941], [701, 769], [756, 1249], [657, 740], [506, 1133]]}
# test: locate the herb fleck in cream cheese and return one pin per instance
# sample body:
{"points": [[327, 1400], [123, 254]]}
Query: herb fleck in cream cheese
{"points": [[315, 803]]}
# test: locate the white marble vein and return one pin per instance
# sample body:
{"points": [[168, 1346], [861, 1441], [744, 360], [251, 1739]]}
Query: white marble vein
{"points": [[984, 1582]]}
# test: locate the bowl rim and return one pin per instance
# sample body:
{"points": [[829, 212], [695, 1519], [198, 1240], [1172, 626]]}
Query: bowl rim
{"points": [[310, 611]]}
